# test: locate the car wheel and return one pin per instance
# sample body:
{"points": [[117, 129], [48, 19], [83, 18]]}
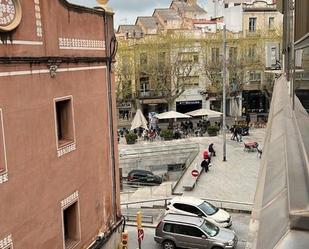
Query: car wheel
{"points": [[167, 244], [216, 247]]}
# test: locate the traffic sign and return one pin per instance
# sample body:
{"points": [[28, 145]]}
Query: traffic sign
{"points": [[140, 234], [195, 173]]}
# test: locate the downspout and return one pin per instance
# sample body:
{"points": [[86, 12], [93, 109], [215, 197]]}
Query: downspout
{"points": [[108, 48]]}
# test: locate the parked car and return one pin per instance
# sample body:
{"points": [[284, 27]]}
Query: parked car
{"points": [[199, 207], [143, 176], [187, 231]]}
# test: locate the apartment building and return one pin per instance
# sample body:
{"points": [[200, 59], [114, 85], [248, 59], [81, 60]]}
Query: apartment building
{"points": [[251, 50], [59, 183]]}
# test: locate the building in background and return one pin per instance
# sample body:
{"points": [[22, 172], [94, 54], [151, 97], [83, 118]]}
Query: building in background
{"points": [[193, 68], [58, 168]]}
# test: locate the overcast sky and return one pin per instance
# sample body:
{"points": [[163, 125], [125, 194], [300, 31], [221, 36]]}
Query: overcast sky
{"points": [[126, 11]]}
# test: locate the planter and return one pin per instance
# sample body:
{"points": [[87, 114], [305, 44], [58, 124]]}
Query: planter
{"points": [[131, 138], [212, 131], [166, 134], [167, 138]]}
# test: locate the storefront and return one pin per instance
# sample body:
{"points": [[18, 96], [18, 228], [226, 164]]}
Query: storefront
{"points": [[254, 102], [188, 106], [124, 110], [153, 105]]}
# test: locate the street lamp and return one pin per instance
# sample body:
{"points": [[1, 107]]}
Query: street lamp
{"points": [[224, 92]]}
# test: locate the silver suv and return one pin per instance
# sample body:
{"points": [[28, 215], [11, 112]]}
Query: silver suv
{"points": [[187, 231]]}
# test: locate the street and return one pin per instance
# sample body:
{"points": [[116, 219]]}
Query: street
{"points": [[240, 226]]}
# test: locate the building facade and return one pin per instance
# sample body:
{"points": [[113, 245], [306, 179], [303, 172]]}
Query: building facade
{"points": [[58, 169], [195, 68]]}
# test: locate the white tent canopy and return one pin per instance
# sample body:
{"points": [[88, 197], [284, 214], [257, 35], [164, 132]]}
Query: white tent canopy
{"points": [[205, 112], [139, 121], [171, 114]]}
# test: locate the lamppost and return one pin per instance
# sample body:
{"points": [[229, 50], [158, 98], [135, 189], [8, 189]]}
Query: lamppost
{"points": [[224, 92]]}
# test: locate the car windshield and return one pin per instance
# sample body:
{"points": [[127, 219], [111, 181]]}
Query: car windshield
{"points": [[209, 228], [208, 208]]}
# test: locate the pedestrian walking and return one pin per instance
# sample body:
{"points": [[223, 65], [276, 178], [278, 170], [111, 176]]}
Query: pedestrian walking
{"points": [[206, 156], [248, 119], [211, 150], [205, 165]]}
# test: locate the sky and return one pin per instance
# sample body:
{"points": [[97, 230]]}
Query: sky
{"points": [[126, 11]]}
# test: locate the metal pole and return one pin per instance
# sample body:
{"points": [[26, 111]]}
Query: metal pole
{"points": [[224, 92]]}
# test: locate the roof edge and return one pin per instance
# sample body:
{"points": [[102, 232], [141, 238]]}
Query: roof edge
{"points": [[98, 10]]}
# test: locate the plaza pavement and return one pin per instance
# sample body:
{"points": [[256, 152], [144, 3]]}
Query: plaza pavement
{"points": [[234, 180]]}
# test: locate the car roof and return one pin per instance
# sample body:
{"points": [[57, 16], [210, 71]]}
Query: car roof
{"points": [[140, 171], [186, 219], [187, 200]]}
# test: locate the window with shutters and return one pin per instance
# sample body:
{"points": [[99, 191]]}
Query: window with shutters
{"points": [[252, 52], [215, 57], [271, 23], [255, 76], [233, 54], [252, 24]]}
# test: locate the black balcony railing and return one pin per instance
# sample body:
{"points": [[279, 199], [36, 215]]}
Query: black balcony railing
{"points": [[150, 94]]}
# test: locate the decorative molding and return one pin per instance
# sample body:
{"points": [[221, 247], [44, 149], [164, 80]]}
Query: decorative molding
{"points": [[10, 15], [53, 70], [4, 178], [69, 200], [6, 242], [66, 149], [20, 42], [82, 44], [38, 22], [47, 71]]}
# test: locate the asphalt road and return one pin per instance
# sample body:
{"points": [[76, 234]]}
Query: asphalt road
{"points": [[240, 226]]}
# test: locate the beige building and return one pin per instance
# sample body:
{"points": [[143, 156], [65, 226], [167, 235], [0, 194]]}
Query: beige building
{"points": [[250, 52]]}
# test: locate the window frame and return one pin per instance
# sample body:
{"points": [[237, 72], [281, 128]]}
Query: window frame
{"points": [[73, 141], [215, 55], [252, 25], [173, 229], [75, 202], [271, 26]]}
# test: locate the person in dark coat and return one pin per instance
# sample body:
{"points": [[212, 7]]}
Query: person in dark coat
{"points": [[211, 150], [248, 119], [205, 165]]}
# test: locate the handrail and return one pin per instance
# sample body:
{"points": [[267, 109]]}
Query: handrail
{"points": [[189, 161], [163, 149], [165, 199]]}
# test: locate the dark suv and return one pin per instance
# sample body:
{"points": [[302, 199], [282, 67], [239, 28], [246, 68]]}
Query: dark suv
{"points": [[143, 176]]}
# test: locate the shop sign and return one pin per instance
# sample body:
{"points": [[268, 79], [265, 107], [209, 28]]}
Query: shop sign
{"points": [[192, 102], [124, 105]]}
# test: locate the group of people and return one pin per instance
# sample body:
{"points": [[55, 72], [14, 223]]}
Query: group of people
{"points": [[207, 154]]}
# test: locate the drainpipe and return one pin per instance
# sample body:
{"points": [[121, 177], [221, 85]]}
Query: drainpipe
{"points": [[110, 112]]}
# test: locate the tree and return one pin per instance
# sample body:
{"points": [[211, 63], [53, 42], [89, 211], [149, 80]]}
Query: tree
{"points": [[161, 66], [124, 70]]}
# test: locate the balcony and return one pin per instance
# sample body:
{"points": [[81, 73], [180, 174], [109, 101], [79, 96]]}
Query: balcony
{"points": [[152, 94], [253, 33]]}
